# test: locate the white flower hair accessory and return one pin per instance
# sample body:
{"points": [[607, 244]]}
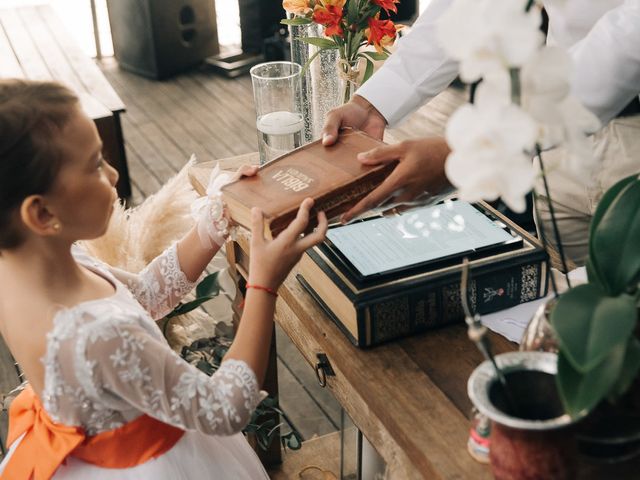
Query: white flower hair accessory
{"points": [[209, 211]]}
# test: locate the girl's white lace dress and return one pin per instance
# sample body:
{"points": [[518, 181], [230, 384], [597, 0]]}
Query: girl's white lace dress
{"points": [[107, 363]]}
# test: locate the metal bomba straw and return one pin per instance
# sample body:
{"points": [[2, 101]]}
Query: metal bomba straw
{"points": [[477, 333]]}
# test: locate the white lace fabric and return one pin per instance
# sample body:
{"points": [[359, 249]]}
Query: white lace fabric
{"points": [[107, 362]]}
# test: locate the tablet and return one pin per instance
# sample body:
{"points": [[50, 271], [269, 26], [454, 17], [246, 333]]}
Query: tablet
{"points": [[438, 234]]}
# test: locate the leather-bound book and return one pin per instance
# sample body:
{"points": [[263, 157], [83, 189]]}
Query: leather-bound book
{"points": [[332, 176]]}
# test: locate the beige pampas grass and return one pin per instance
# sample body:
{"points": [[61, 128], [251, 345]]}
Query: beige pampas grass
{"points": [[138, 235]]}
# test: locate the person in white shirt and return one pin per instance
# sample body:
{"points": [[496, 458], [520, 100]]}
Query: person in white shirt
{"points": [[603, 40]]}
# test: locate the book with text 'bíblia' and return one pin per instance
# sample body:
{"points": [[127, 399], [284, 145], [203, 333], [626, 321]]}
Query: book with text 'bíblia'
{"points": [[413, 300], [332, 176]]}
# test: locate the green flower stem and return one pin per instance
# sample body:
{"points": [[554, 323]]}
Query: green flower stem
{"points": [[543, 239], [556, 231]]}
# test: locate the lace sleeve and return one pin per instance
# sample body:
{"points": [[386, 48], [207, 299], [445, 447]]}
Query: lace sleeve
{"points": [[160, 286], [126, 362]]}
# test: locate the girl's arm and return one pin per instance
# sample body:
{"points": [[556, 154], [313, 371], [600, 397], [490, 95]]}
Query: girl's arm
{"points": [[170, 276], [193, 255], [197, 248], [125, 364], [270, 263]]}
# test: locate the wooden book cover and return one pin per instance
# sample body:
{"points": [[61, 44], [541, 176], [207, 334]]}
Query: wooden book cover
{"points": [[332, 176]]}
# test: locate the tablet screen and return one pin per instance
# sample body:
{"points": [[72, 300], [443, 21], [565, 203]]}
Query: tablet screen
{"points": [[380, 245]]}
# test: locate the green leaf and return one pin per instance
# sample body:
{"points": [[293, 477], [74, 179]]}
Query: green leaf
{"points": [[205, 367], [592, 274], [589, 324], [583, 391], [352, 11], [308, 62], [355, 43], [250, 428], [209, 286], [375, 55], [630, 368], [615, 236], [292, 440], [183, 308], [324, 43], [608, 197], [370, 12], [368, 71], [296, 21]]}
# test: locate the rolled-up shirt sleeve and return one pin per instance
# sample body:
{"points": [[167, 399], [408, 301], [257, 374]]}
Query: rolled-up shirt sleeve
{"points": [[416, 72]]}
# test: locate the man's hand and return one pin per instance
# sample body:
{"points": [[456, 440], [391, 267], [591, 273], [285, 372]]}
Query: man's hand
{"points": [[420, 169], [357, 113]]}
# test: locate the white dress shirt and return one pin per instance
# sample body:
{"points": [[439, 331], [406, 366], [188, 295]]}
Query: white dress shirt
{"points": [[601, 36]]}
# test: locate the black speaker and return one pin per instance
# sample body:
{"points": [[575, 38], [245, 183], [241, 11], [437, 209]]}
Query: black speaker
{"points": [[259, 20], [158, 38], [407, 11]]}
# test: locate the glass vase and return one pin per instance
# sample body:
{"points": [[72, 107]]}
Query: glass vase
{"points": [[323, 88]]}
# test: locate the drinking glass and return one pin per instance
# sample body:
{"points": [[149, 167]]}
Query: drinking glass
{"points": [[276, 93]]}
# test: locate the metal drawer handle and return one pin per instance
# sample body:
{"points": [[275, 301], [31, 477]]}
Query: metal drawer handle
{"points": [[323, 369]]}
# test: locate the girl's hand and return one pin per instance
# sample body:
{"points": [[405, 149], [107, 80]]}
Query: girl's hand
{"points": [[272, 260]]}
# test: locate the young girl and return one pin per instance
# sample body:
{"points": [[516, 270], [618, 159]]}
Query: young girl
{"points": [[107, 397]]}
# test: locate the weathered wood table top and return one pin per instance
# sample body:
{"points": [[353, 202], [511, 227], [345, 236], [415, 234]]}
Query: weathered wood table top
{"points": [[407, 397]]}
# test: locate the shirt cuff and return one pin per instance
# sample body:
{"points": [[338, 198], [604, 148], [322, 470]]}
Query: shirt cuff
{"points": [[391, 95]]}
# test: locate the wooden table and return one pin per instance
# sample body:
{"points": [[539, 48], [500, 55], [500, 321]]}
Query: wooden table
{"points": [[35, 45], [407, 397]]}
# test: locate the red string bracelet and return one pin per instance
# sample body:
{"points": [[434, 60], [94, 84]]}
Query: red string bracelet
{"points": [[270, 291]]}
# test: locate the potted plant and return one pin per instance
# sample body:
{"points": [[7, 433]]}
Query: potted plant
{"points": [[596, 324]]}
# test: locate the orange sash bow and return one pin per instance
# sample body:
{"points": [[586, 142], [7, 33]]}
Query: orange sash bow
{"points": [[47, 444]]}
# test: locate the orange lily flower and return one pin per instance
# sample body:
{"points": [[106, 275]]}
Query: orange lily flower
{"points": [[380, 32], [387, 5], [329, 13], [297, 7]]}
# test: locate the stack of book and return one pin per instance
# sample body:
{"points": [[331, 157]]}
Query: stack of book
{"points": [[392, 277], [385, 278]]}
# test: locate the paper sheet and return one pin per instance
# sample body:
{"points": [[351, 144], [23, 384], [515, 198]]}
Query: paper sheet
{"points": [[511, 322]]}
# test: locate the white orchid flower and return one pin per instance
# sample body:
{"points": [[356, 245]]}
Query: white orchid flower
{"points": [[491, 153], [544, 94], [488, 35]]}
